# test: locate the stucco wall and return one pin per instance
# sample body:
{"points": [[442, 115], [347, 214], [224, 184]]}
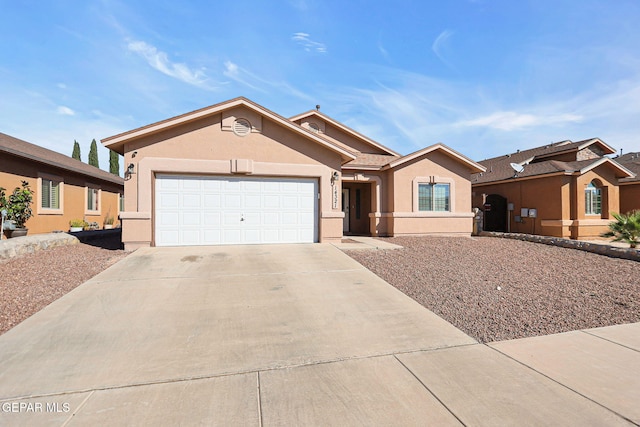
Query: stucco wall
{"points": [[629, 197], [16, 169], [209, 146], [436, 167]]}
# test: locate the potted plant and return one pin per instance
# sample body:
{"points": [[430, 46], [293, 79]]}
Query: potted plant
{"points": [[7, 224], [19, 209], [76, 225], [108, 222]]}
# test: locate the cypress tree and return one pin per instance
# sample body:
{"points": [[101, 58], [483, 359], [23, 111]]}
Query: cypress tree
{"points": [[93, 154], [76, 150], [114, 163]]}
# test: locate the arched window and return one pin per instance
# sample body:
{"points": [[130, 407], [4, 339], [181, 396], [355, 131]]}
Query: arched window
{"points": [[593, 199]]}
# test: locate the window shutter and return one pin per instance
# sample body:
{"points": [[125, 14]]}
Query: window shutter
{"points": [[45, 197], [55, 195]]}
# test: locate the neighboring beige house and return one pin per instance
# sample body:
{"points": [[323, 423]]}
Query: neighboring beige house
{"points": [[64, 188], [236, 172], [564, 189], [630, 187]]}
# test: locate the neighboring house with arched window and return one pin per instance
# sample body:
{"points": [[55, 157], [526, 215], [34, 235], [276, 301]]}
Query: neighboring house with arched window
{"points": [[564, 189]]}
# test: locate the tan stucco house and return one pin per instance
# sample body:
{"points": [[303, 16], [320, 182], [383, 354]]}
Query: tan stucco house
{"points": [[630, 187], [236, 172], [64, 188], [563, 189]]}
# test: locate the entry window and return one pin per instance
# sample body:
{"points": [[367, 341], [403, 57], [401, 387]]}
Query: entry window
{"points": [[593, 199], [433, 197], [50, 194], [92, 199]]}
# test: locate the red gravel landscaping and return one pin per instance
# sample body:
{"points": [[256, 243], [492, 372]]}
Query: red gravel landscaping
{"points": [[498, 289], [31, 282]]}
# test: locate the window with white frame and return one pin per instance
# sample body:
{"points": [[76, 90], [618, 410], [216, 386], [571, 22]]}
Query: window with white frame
{"points": [[434, 197], [92, 199], [593, 199], [50, 194]]}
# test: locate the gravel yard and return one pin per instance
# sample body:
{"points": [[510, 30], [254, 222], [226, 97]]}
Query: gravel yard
{"points": [[31, 282], [499, 289]]}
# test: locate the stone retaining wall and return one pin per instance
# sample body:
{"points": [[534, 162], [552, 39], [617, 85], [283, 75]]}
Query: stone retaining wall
{"points": [[29, 244], [601, 249]]}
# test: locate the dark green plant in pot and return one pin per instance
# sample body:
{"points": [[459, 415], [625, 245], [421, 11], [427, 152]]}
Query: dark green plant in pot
{"points": [[3, 198], [19, 205]]}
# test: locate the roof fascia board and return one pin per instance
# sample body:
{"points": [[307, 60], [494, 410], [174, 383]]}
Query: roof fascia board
{"points": [[195, 115], [115, 180], [599, 141], [476, 167], [524, 178], [345, 129], [615, 165]]}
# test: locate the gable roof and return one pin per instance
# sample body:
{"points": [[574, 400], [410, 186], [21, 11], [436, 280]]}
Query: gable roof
{"points": [[116, 142], [345, 129], [29, 151], [539, 161], [630, 161], [370, 161], [475, 167]]}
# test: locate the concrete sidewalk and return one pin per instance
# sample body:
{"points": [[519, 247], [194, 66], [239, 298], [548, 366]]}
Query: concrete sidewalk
{"points": [[292, 335]]}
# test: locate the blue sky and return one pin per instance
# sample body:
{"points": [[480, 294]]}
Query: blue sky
{"points": [[484, 77]]}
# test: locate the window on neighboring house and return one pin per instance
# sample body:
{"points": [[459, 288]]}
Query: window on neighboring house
{"points": [[433, 197], [50, 194], [593, 199], [92, 199], [121, 202]]}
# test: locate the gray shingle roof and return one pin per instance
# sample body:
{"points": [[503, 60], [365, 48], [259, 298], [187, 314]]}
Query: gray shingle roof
{"points": [[541, 162], [630, 161], [27, 150]]}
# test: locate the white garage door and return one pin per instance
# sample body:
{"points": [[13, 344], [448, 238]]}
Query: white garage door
{"points": [[203, 210]]}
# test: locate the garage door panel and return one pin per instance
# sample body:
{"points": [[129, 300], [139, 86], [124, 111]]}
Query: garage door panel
{"points": [[169, 201], [212, 201], [191, 219], [252, 201], [213, 219], [191, 201], [231, 235], [209, 210], [233, 201], [211, 237]]}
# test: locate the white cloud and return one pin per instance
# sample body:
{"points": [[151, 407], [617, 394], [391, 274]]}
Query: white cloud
{"points": [[510, 120], [440, 43], [161, 62], [61, 85], [304, 40], [234, 72], [65, 111]]}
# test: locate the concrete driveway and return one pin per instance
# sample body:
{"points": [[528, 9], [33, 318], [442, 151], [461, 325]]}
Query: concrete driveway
{"points": [[262, 335]]}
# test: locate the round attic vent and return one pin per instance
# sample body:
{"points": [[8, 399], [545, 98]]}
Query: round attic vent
{"points": [[314, 127], [241, 127]]}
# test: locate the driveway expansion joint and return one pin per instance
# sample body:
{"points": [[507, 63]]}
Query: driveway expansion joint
{"points": [[609, 340], [563, 385]]}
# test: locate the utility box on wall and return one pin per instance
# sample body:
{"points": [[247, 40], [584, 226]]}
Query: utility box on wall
{"points": [[533, 213]]}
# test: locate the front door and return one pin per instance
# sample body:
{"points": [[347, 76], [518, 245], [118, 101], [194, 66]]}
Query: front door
{"points": [[345, 209]]}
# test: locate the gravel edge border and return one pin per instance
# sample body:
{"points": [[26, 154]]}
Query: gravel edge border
{"points": [[600, 249]]}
